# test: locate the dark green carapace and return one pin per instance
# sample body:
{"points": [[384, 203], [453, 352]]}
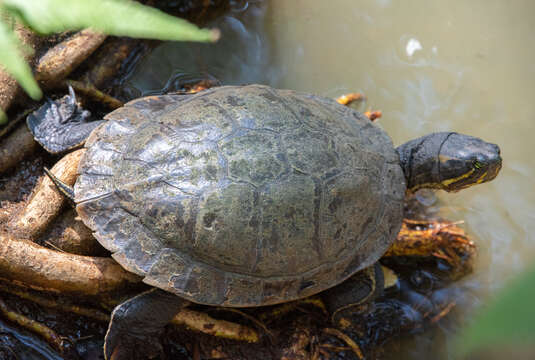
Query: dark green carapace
{"points": [[241, 196]]}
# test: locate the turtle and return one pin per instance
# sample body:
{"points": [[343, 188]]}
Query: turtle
{"points": [[246, 196]]}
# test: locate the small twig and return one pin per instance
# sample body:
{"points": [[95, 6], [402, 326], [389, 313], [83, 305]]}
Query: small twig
{"points": [[14, 122], [252, 319], [444, 312], [353, 345], [335, 348], [203, 322], [54, 247], [47, 333], [90, 91], [51, 304]]}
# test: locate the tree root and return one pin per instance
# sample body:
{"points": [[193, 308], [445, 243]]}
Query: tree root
{"points": [[43, 269], [16, 147], [60, 60], [46, 201], [9, 88], [194, 320], [441, 240], [44, 331], [204, 323], [252, 319], [353, 345], [54, 303], [69, 234]]}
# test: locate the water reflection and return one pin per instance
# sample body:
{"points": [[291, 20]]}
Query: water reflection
{"points": [[241, 56], [429, 66]]}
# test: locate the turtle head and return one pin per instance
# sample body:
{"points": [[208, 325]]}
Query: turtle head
{"points": [[448, 161]]}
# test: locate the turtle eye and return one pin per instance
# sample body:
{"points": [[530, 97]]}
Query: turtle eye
{"points": [[477, 164]]}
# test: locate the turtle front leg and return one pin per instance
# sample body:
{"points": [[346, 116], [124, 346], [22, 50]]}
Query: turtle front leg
{"points": [[136, 325]]}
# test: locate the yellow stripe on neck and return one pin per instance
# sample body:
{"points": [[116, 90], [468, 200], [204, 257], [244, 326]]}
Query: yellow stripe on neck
{"points": [[464, 176], [481, 178]]}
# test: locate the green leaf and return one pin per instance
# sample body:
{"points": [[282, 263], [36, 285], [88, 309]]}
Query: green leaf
{"points": [[114, 17], [13, 61], [508, 319]]}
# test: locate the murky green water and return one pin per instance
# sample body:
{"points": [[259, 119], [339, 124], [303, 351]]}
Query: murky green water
{"points": [[428, 65]]}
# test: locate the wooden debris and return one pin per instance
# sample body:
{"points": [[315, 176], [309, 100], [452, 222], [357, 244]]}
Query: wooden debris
{"points": [[299, 342], [194, 320], [373, 114], [347, 99], [442, 240]]}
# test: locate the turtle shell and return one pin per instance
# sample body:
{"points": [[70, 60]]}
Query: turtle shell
{"points": [[241, 196]]}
